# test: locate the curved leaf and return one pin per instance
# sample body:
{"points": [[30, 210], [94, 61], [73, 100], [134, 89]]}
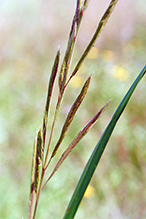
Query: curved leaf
{"points": [[97, 153]]}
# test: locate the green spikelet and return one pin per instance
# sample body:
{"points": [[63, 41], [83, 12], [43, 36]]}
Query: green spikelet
{"points": [[38, 160]]}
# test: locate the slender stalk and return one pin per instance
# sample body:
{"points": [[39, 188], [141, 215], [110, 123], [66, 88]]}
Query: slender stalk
{"points": [[31, 205], [51, 134]]}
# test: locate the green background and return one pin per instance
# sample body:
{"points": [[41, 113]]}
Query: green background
{"points": [[31, 32]]}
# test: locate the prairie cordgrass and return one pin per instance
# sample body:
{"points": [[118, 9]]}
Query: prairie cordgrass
{"points": [[44, 148]]}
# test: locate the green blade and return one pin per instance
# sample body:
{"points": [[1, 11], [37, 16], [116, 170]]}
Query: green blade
{"points": [[96, 155]]}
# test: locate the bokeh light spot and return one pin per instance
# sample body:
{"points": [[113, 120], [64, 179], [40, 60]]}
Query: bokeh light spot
{"points": [[108, 55], [93, 54], [76, 81], [120, 73], [90, 192]]}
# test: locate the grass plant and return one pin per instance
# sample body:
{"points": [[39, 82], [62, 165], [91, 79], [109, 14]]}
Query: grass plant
{"points": [[44, 151]]}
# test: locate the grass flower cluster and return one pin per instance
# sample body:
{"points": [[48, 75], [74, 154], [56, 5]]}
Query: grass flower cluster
{"points": [[44, 150]]}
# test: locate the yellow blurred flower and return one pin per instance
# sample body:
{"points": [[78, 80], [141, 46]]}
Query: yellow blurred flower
{"points": [[82, 69], [90, 192], [93, 54], [108, 55], [133, 46], [120, 73], [76, 81]]}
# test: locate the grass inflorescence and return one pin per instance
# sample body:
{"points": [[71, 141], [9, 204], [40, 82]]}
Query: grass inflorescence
{"points": [[42, 155]]}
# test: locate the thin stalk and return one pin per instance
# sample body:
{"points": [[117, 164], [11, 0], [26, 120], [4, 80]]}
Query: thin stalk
{"points": [[31, 204], [51, 134]]}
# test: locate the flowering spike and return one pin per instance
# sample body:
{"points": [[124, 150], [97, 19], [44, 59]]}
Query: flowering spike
{"points": [[77, 139], [71, 114]]}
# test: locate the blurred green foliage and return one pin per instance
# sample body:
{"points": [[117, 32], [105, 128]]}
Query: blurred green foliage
{"points": [[30, 34]]}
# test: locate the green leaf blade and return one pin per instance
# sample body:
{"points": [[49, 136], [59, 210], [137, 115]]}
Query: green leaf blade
{"points": [[97, 153]]}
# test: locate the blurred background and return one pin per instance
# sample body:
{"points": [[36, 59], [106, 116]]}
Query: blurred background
{"points": [[30, 33]]}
